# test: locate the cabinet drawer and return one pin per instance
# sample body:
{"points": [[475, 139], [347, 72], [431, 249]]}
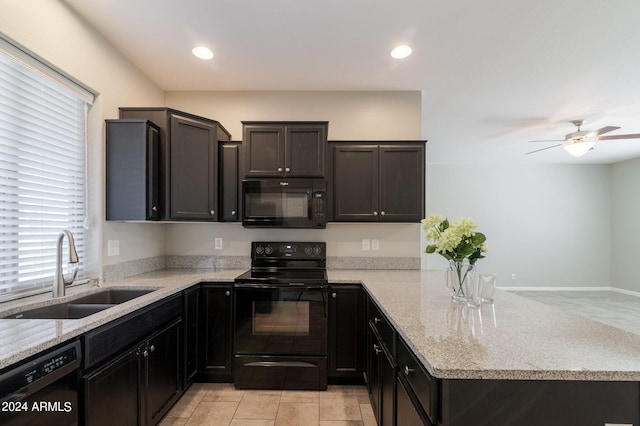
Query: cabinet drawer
{"points": [[421, 382], [118, 335], [381, 325]]}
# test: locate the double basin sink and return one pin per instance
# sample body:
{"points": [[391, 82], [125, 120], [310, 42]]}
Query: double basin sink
{"points": [[82, 306]]}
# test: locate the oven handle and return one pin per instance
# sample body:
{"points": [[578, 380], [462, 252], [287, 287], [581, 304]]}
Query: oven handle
{"points": [[280, 364]]}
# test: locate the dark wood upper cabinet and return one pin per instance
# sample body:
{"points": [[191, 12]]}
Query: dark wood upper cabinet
{"points": [[284, 149], [188, 162], [229, 187], [132, 170], [376, 181]]}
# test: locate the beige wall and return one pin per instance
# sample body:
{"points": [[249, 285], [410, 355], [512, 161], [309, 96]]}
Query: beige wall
{"points": [[351, 116], [54, 32]]}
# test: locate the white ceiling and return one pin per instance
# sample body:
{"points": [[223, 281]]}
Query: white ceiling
{"points": [[494, 74]]}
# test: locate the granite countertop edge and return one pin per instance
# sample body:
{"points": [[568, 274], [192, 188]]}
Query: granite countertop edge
{"points": [[400, 307]]}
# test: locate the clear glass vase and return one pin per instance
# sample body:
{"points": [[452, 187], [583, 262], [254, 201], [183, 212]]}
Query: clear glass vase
{"points": [[460, 278]]}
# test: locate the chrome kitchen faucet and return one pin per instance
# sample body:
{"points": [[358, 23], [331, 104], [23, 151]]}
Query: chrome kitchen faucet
{"points": [[59, 282]]}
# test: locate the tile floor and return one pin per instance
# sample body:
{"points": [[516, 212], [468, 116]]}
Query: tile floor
{"points": [[221, 404], [612, 308]]}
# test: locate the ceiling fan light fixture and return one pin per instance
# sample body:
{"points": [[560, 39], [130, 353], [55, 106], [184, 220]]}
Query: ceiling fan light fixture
{"points": [[400, 52], [202, 52], [579, 148]]}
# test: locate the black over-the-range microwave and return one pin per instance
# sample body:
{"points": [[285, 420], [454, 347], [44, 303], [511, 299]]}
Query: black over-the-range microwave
{"points": [[284, 203]]}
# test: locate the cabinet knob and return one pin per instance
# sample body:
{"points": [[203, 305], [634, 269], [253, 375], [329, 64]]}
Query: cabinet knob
{"points": [[334, 295], [376, 320], [377, 349], [382, 213], [279, 169], [408, 370], [287, 170], [154, 208], [145, 353], [233, 212], [212, 212], [227, 293], [375, 213], [152, 348]]}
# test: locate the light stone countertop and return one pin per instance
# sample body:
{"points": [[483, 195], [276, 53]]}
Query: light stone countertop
{"points": [[515, 338]]}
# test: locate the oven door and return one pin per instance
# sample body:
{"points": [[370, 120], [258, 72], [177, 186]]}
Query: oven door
{"points": [[280, 320]]}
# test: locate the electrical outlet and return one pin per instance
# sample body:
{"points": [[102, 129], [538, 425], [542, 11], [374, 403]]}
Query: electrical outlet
{"points": [[366, 244], [375, 244], [513, 277], [113, 247], [218, 243]]}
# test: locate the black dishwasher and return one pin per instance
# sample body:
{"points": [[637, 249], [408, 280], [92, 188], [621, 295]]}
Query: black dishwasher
{"points": [[42, 390]]}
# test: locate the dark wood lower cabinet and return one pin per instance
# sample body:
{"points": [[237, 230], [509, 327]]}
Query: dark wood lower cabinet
{"points": [[346, 334], [407, 411], [139, 386], [382, 380], [191, 316], [215, 358], [111, 394]]}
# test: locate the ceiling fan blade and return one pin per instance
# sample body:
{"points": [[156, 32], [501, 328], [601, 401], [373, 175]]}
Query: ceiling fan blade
{"points": [[606, 129], [548, 140], [630, 136], [542, 149]]}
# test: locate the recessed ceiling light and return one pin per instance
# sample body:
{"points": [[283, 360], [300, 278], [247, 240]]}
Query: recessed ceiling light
{"points": [[202, 52], [401, 52]]}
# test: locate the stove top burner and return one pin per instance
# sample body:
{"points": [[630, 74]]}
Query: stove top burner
{"points": [[290, 263]]}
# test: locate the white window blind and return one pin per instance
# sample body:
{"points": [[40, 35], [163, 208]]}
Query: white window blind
{"points": [[42, 176]]}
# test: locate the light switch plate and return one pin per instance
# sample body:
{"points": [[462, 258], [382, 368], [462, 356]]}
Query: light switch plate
{"points": [[375, 244], [366, 244], [218, 243]]}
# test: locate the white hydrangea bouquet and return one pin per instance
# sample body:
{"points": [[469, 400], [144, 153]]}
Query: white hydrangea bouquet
{"points": [[460, 244]]}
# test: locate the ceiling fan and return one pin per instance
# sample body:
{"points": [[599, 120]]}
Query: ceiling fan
{"points": [[580, 142]]}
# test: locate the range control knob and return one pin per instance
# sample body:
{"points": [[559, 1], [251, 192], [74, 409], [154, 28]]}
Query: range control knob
{"points": [[259, 249], [317, 250], [308, 250], [268, 250]]}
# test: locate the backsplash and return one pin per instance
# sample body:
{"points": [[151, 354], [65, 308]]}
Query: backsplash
{"points": [[140, 266]]}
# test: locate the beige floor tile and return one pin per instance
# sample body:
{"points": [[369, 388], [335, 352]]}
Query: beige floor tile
{"points": [[189, 401], [340, 407], [258, 406], [223, 392], [340, 423], [299, 396], [174, 421], [213, 414], [236, 422], [297, 413], [368, 418]]}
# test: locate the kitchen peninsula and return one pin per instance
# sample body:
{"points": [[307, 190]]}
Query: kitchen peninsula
{"points": [[489, 362]]}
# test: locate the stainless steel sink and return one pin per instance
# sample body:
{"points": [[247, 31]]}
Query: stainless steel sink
{"points": [[82, 306], [113, 296], [61, 311]]}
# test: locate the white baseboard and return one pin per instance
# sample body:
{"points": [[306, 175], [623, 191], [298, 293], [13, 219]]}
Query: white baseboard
{"points": [[617, 290]]}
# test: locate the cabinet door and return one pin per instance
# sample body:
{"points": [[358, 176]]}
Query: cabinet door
{"points": [[264, 150], [305, 148], [346, 333], [194, 159], [401, 183], [191, 301], [132, 170], [229, 187], [112, 394], [355, 183], [216, 350], [407, 412], [163, 371]]}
